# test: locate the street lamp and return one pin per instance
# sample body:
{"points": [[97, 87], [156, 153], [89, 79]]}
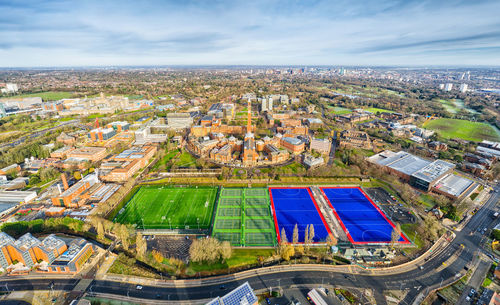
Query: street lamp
{"points": [[169, 223], [198, 222]]}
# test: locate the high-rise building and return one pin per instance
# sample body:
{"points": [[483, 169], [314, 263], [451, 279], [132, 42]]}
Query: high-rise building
{"points": [[448, 87], [463, 88]]}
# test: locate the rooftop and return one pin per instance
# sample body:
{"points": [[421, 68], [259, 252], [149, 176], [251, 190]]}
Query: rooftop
{"points": [[74, 248], [434, 170], [454, 185], [26, 242], [5, 239]]}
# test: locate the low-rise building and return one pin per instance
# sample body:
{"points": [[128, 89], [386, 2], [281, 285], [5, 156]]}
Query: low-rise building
{"points": [[13, 168], [312, 162], [73, 259], [355, 139], [322, 146], [293, 145], [62, 152], [70, 198], [92, 154], [125, 164], [101, 134]]}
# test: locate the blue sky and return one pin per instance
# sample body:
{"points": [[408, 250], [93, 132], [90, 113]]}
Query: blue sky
{"points": [[369, 32]]}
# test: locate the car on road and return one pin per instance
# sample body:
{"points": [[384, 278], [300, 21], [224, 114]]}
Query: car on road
{"points": [[222, 287], [138, 287], [268, 301]]}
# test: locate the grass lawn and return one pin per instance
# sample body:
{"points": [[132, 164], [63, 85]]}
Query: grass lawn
{"points": [[375, 110], [462, 129], [156, 205], [49, 95], [340, 110], [185, 160], [291, 168], [240, 258], [166, 158], [409, 230]]}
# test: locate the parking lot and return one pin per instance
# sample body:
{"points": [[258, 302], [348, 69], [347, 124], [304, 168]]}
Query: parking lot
{"points": [[170, 246], [390, 205]]}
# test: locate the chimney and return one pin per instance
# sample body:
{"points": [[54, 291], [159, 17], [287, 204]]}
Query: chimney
{"points": [[64, 181]]}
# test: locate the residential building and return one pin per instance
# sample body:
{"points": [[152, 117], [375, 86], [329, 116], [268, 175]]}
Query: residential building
{"points": [[125, 164], [73, 259], [119, 126], [463, 88], [448, 87]]}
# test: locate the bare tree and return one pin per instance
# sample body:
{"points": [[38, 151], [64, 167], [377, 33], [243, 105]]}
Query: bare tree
{"points": [[124, 235], [306, 238], [396, 234], [225, 250], [141, 245], [100, 230], [295, 237]]}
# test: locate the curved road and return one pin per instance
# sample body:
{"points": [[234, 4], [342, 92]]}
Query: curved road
{"points": [[441, 268]]}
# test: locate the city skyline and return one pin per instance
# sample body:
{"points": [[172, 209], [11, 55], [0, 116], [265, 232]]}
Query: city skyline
{"points": [[385, 33]]}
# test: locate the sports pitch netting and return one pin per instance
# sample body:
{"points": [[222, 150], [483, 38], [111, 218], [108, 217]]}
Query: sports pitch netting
{"points": [[165, 207], [255, 192], [232, 192], [230, 201], [244, 217]]}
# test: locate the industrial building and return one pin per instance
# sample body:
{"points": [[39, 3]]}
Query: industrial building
{"points": [[17, 197]]}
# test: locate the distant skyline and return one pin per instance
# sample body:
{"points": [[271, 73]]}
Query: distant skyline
{"points": [[228, 32]]}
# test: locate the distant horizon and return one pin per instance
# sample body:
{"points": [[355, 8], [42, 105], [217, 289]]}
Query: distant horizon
{"points": [[256, 66], [63, 33]]}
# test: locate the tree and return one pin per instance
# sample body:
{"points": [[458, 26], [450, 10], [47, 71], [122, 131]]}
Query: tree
{"points": [[311, 233], [396, 234], [124, 236], [100, 230], [331, 240], [288, 252], [225, 251], [158, 256], [141, 246], [295, 238], [77, 175], [306, 238]]}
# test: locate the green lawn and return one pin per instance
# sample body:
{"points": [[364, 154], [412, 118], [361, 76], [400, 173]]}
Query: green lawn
{"points": [[162, 207], [171, 154], [375, 110], [240, 258], [186, 160], [340, 110], [49, 95], [462, 129]]}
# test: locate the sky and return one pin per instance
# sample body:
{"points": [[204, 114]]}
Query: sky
{"points": [[53, 33]]}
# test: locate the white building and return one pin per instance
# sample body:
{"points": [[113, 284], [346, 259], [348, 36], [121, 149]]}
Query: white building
{"points": [[10, 88], [463, 88], [448, 87]]}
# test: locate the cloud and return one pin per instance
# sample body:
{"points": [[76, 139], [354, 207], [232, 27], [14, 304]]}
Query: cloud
{"points": [[377, 32]]}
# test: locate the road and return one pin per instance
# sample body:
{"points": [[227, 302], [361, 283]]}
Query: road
{"points": [[37, 134], [440, 269]]}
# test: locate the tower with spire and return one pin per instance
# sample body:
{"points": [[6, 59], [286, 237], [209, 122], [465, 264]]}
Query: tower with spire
{"points": [[249, 152]]}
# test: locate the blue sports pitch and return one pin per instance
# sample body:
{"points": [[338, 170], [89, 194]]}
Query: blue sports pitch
{"points": [[297, 206], [361, 219]]}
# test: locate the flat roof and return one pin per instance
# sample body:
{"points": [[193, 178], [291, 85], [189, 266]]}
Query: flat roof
{"points": [[454, 185], [408, 165], [433, 170]]}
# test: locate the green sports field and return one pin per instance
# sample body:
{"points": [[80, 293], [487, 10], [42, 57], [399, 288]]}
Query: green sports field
{"points": [[162, 207], [462, 129], [243, 217]]}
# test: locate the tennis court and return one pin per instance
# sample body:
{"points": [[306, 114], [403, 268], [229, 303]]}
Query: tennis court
{"points": [[297, 206], [359, 216], [243, 217]]}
